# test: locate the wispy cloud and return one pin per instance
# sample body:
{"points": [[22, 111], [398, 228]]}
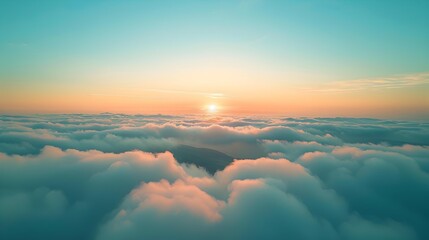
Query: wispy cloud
{"points": [[205, 94], [17, 44], [256, 41], [396, 81]]}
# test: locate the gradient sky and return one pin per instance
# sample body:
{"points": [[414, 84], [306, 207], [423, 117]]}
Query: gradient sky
{"points": [[295, 58]]}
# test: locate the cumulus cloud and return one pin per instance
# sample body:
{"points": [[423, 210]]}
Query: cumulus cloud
{"points": [[118, 177]]}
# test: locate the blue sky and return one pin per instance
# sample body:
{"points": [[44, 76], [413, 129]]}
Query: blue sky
{"points": [[63, 43]]}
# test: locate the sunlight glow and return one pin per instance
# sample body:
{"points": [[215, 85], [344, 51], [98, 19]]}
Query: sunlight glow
{"points": [[212, 108]]}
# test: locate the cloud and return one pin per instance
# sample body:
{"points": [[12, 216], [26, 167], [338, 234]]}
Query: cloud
{"points": [[81, 186], [239, 137], [205, 94], [398, 81], [113, 177]]}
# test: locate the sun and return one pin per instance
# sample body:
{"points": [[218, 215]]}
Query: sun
{"points": [[212, 108]]}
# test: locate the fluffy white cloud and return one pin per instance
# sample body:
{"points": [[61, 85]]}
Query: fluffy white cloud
{"points": [[86, 177]]}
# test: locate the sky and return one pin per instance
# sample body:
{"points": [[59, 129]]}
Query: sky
{"points": [[292, 58]]}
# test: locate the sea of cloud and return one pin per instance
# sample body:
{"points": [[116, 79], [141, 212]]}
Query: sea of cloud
{"points": [[113, 176]]}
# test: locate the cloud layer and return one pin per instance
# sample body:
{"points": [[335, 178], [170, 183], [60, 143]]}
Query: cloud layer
{"points": [[115, 177]]}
